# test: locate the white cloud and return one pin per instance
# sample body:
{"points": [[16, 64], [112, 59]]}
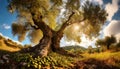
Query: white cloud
{"points": [[93, 1], [87, 42], [112, 9], [99, 1], [113, 29], [84, 43], [5, 26]]}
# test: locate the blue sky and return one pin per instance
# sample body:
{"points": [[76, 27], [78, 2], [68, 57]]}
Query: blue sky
{"points": [[6, 18]]}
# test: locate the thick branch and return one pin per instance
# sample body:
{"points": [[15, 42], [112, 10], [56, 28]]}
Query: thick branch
{"points": [[67, 23], [59, 34], [36, 28], [40, 24]]}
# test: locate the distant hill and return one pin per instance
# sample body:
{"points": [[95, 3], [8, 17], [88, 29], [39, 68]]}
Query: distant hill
{"points": [[75, 49], [9, 45]]}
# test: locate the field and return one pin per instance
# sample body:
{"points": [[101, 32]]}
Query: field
{"points": [[9, 59]]}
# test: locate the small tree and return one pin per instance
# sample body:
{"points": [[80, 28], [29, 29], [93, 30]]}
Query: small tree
{"points": [[109, 41], [90, 49], [100, 42], [118, 46]]}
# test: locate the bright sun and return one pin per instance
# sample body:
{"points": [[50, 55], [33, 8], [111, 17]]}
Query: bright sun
{"points": [[76, 27]]}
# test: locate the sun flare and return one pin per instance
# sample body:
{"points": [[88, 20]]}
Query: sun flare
{"points": [[76, 27]]}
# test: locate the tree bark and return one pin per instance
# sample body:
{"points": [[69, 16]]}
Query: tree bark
{"points": [[55, 46], [108, 47], [44, 45], [51, 39]]}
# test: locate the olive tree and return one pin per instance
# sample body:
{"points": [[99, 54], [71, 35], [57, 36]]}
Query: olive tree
{"points": [[46, 21]]}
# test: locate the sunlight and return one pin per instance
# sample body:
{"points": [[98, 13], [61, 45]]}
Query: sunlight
{"points": [[85, 41], [76, 27]]}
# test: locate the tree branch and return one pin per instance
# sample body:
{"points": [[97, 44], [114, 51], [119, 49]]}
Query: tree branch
{"points": [[77, 22], [42, 26], [67, 23], [36, 28]]}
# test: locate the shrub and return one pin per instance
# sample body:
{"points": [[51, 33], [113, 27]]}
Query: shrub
{"points": [[53, 60]]}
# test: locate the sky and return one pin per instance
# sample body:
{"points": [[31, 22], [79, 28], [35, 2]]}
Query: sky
{"points": [[6, 20], [111, 27]]}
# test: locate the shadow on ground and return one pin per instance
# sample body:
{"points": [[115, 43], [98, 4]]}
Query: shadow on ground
{"points": [[95, 64]]}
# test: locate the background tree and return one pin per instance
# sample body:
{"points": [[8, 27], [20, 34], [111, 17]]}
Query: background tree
{"points": [[118, 44], [101, 43], [109, 41], [90, 49], [46, 21]]}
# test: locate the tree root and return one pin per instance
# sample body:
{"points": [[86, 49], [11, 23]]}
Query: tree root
{"points": [[59, 51]]}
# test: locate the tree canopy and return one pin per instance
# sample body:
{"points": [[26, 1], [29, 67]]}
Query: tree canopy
{"points": [[107, 41], [57, 14]]}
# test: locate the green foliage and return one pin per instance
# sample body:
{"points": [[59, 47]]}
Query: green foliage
{"points": [[20, 57], [57, 61], [95, 17], [75, 31], [110, 59], [75, 49], [98, 15], [107, 41], [27, 10], [117, 46], [35, 36], [51, 10], [17, 28], [99, 42], [73, 5], [20, 30], [53, 60], [90, 50]]}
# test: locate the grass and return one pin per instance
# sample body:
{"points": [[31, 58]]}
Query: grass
{"points": [[110, 58], [102, 55], [55, 60]]}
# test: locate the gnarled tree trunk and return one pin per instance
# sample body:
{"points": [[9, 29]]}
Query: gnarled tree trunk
{"points": [[44, 45], [49, 42], [51, 39]]}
